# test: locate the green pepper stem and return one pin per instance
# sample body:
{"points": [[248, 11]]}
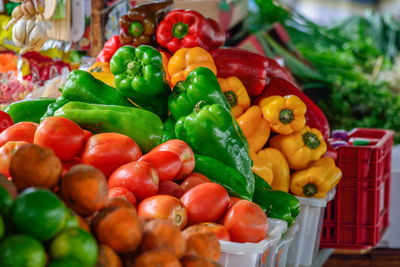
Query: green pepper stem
{"points": [[286, 116], [311, 140], [231, 97], [180, 30], [136, 29], [198, 106], [310, 190]]}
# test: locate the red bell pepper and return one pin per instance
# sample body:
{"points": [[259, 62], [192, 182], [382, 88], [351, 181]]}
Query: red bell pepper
{"points": [[110, 47], [315, 117], [188, 28], [249, 67], [330, 151]]}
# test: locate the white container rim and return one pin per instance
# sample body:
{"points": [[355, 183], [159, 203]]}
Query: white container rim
{"points": [[317, 202], [276, 228], [289, 236]]}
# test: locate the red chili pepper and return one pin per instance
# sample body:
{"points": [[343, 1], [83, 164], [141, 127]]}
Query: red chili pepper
{"points": [[249, 67], [188, 28], [5, 121], [110, 47], [315, 117]]}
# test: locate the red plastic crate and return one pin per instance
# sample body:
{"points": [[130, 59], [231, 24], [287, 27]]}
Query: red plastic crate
{"points": [[359, 215]]}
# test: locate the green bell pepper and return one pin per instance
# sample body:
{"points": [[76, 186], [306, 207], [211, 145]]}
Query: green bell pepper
{"points": [[210, 131], [277, 204], [29, 110], [144, 127], [140, 76], [83, 86], [169, 129], [220, 173]]}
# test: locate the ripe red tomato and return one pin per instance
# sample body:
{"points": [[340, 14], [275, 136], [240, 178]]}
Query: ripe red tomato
{"points": [[205, 203], [5, 120], [193, 180], [163, 207], [220, 230], [184, 152], [232, 201], [140, 178], [246, 222], [167, 163], [123, 193], [109, 151], [87, 135], [170, 188], [6, 153], [23, 131], [62, 135]]}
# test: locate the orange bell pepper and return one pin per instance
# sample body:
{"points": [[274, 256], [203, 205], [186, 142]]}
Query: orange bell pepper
{"points": [[254, 127], [187, 59], [236, 94]]}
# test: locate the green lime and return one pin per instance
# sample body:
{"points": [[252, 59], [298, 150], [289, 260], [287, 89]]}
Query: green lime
{"points": [[65, 262], [75, 243], [2, 227], [38, 213], [5, 201], [22, 250], [72, 219]]}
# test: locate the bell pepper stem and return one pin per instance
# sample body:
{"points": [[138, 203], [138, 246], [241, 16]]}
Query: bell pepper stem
{"points": [[134, 68], [136, 29], [231, 97], [198, 106], [180, 30], [310, 190], [286, 116], [311, 140]]}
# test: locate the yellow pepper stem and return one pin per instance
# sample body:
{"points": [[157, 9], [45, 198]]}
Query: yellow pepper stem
{"points": [[286, 116], [311, 140], [310, 190]]}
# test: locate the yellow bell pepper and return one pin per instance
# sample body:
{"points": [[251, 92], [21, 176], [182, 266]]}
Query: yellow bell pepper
{"points": [[254, 127], [317, 180], [262, 167], [280, 168], [101, 71], [300, 148], [187, 59], [236, 94], [285, 115]]}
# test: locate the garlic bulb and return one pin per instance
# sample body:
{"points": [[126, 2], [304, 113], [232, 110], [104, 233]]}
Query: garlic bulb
{"points": [[30, 35]]}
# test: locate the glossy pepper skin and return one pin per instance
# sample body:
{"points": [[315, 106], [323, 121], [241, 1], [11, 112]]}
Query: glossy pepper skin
{"points": [[200, 85], [185, 60], [211, 131], [277, 204], [285, 115], [140, 76], [222, 174], [314, 116], [279, 167], [138, 27], [300, 148], [316, 180], [169, 130], [188, 28], [144, 127], [29, 110], [262, 167], [109, 48], [236, 94], [254, 127], [101, 71], [249, 67]]}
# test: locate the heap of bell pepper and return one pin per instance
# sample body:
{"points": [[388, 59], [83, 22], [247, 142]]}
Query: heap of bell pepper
{"points": [[225, 103]]}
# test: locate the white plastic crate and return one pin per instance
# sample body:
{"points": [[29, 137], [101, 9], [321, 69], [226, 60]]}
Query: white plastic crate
{"points": [[305, 245], [261, 254], [282, 249]]}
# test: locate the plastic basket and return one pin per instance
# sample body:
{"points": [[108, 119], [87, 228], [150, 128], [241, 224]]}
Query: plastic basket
{"points": [[282, 249], [260, 254], [359, 215], [305, 245]]}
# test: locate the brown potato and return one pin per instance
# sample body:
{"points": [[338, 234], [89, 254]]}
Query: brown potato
{"points": [[157, 258], [196, 261], [201, 243], [107, 257], [33, 165]]}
